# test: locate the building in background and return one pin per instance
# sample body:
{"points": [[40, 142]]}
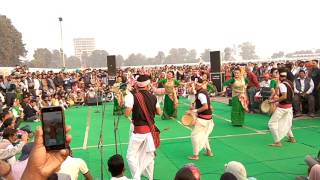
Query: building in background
{"points": [[82, 45]]}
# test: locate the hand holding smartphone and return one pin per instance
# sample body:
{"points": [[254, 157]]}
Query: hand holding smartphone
{"points": [[53, 126]]}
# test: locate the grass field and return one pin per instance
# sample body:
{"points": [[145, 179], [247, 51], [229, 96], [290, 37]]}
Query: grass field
{"points": [[248, 144]]}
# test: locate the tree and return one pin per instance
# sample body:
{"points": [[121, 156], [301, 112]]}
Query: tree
{"points": [[56, 60], [119, 61], [98, 58], [73, 62], [206, 55], [160, 58], [191, 57], [136, 59], [84, 59], [228, 51], [42, 58], [11, 46], [280, 54], [248, 51], [176, 56]]}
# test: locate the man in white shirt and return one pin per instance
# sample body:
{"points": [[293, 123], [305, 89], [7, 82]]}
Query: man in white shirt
{"points": [[72, 166], [303, 88]]}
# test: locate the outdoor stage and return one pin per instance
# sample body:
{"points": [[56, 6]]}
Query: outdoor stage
{"points": [[248, 144]]}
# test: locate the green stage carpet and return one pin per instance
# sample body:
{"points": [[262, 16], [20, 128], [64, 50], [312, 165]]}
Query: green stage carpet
{"points": [[248, 144]]}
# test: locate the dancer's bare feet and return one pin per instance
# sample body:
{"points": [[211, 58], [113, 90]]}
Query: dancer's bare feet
{"points": [[291, 140], [276, 144], [209, 153], [194, 157]]}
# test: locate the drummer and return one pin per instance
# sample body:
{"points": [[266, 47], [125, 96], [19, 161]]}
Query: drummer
{"points": [[204, 124]]}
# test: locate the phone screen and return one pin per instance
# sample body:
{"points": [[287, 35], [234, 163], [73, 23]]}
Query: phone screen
{"points": [[53, 127]]}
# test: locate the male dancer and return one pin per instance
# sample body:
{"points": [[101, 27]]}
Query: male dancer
{"points": [[204, 124], [141, 146], [281, 120]]}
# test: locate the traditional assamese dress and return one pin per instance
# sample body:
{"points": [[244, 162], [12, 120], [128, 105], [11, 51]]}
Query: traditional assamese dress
{"points": [[238, 89], [169, 111]]}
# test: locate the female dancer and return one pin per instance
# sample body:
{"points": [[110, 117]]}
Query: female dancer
{"points": [[238, 84], [274, 83], [170, 98]]}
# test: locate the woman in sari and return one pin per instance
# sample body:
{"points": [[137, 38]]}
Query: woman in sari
{"points": [[118, 108], [211, 88], [170, 98], [238, 84], [274, 83]]}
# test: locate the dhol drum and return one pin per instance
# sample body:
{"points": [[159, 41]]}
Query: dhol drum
{"points": [[267, 107], [188, 120]]}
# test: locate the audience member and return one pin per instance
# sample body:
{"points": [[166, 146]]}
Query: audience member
{"points": [[188, 172], [116, 167]]}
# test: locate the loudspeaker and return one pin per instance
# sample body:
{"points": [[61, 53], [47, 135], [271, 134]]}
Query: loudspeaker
{"points": [[111, 63], [215, 61], [215, 66]]}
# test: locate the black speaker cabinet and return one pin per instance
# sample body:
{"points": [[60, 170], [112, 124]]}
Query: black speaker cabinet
{"points": [[111, 63], [215, 61], [215, 66]]}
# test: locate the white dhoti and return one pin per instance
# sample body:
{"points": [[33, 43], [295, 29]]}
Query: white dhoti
{"points": [[160, 98], [200, 135], [280, 123], [140, 155]]}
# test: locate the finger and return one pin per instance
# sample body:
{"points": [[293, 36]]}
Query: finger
{"points": [[38, 142], [68, 129], [68, 139], [64, 153]]}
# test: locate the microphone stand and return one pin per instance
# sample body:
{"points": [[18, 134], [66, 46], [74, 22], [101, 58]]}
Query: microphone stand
{"points": [[116, 123], [97, 99], [100, 143]]}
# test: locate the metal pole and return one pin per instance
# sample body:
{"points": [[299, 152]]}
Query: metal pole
{"points": [[62, 53]]}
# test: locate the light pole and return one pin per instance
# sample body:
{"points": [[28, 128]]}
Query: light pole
{"points": [[61, 49]]}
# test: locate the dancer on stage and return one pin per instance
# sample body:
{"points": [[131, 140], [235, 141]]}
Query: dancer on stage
{"points": [[281, 120], [211, 89], [239, 85], [204, 124], [274, 83], [141, 146], [170, 98], [118, 107]]}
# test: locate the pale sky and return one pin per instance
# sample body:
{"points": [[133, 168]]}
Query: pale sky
{"points": [[148, 26]]}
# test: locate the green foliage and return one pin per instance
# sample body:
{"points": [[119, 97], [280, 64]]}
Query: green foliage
{"points": [[206, 55], [98, 58], [228, 54], [42, 58], [277, 55], [11, 46], [248, 51], [73, 62]]}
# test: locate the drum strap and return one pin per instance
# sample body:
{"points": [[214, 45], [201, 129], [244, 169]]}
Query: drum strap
{"points": [[153, 128]]}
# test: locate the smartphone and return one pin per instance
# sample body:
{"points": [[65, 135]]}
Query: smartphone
{"points": [[53, 126]]}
